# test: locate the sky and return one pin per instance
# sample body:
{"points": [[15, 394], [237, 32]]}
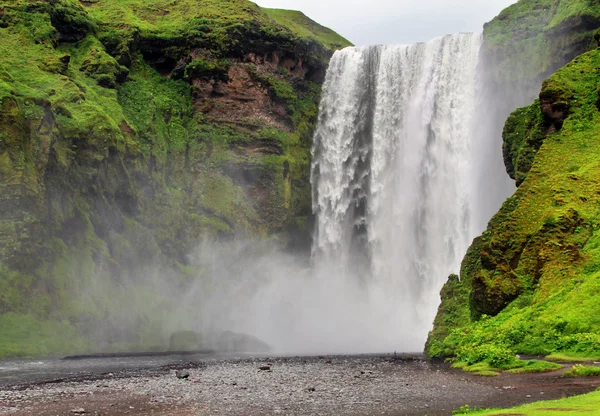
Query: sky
{"points": [[369, 22]]}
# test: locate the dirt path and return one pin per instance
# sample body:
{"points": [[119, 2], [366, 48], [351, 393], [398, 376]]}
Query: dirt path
{"points": [[293, 386]]}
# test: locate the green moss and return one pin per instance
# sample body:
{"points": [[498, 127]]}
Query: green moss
{"points": [[532, 38], [203, 68], [523, 135], [304, 27], [106, 163], [533, 366], [580, 405], [544, 241], [573, 357], [580, 370], [24, 335]]}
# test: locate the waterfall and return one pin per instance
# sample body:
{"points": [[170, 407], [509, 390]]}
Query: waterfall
{"points": [[404, 136], [393, 172]]}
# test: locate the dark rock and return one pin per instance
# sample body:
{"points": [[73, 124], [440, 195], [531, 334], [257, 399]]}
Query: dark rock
{"points": [[182, 374], [265, 367], [311, 389], [70, 20]]}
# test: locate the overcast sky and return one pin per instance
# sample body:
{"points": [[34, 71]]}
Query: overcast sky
{"points": [[367, 22]]}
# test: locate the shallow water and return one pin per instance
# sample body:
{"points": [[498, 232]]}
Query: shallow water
{"points": [[33, 371]]}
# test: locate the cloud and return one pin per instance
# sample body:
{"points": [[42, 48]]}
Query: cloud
{"points": [[395, 21]]}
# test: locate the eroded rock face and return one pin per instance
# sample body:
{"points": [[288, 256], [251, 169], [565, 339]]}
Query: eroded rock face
{"points": [[242, 98]]}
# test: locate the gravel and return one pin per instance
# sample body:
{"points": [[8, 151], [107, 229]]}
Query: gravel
{"points": [[363, 385]]}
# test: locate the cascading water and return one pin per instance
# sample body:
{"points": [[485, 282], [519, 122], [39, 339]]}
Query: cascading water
{"points": [[393, 178], [397, 162]]}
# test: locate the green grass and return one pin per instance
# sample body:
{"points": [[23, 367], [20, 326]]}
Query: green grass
{"points": [[573, 357], [484, 367], [579, 370], [304, 27], [24, 335], [588, 404], [531, 38]]}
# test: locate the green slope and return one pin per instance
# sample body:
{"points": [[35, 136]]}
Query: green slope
{"points": [[533, 38], [304, 27], [531, 283], [108, 161]]}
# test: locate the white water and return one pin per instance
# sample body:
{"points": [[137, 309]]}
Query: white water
{"points": [[397, 168], [394, 177]]}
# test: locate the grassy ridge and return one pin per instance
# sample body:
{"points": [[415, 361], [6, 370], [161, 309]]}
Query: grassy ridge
{"points": [[531, 39], [304, 27]]}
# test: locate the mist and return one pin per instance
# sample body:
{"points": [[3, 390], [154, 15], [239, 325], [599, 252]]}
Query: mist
{"points": [[406, 172], [253, 287]]}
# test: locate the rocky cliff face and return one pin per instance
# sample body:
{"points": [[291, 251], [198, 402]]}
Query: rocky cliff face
{"points": [[529, 284], [128, 133]]}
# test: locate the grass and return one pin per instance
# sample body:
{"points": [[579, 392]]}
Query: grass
{"points": [[481, 367], [532, 38], [305, 27], [588, 404], [580, 370], [573, 357]]}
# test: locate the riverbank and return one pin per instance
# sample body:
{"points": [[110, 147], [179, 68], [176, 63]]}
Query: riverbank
{"points": [[341, 385]]}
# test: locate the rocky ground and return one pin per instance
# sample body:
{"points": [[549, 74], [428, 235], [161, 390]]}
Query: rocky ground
{"points": [[358, 385]]}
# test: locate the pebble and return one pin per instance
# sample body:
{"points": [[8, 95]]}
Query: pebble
{"points": [[298, 387], [181, 374]]}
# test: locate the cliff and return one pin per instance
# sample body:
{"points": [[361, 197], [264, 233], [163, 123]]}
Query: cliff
{"points": [[530, 283], [130, 131], [531, 39]]}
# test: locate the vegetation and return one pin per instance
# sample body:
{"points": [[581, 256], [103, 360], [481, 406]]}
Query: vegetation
{"points": [[306, 28], [530, 283], [112, 166], [580, 370], [531, 39], [587, 404], [489, 360]]}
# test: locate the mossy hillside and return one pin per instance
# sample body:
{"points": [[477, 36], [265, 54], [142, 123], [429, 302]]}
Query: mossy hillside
{"points": [[167, 30], [530, 283], [531, 39], [305, 27], [109, 175]]}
